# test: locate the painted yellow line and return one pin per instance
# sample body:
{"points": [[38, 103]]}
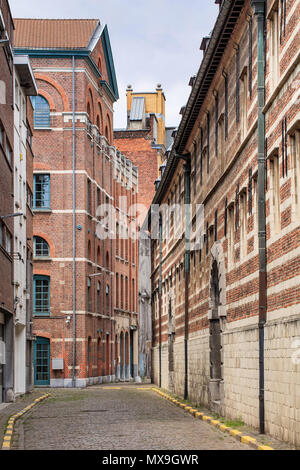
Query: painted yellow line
{"points": [[262, 447]]}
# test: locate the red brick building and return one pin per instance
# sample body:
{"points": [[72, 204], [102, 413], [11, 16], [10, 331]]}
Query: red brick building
{"points": [[226, 312], [74, 174], [6, 201]]}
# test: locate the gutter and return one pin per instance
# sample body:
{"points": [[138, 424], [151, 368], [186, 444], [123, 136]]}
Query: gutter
{"points": [[177, 145]]}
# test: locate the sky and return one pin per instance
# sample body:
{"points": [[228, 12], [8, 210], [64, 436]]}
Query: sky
{"points": [[153, 41]]}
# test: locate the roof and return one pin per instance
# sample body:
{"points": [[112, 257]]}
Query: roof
{"points": [[137, 109], [54, 33], [224, 26], [64, 38]]}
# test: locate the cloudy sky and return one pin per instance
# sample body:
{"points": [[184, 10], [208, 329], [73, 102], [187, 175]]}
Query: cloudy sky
{"points": [[153, 41]]}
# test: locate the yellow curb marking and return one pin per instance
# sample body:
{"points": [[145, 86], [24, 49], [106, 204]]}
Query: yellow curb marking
{"points": [[200, 415], [9, 430], [234, 432], [215, 422], [223, 427], [206, 418], [248, 440]]}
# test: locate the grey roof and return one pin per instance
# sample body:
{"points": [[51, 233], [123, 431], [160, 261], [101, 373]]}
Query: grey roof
{"points": [[137, 108]]}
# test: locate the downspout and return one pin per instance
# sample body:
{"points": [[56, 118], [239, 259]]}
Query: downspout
{"points": [[74, 235], [259, 11], [187, 202], [160, 293]]}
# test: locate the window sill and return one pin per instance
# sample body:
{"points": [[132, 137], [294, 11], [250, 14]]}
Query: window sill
{"points": [[48, 211], [42, 258]]}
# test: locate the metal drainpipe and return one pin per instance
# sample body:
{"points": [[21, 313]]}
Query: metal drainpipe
{"points": [[187, 201], [74, 236], [259, 10], [160, 292]]}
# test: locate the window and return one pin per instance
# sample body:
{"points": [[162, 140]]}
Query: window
{"points": [[8, 151], [133, 295], [29, 197], [41, 112], [117, 290], [107, 298], [295, 150], [41, 196], [89, 197], [99, 297], [17, 94], [8, 242], [89, 300], [41, 295], [244, 104], [1, 233], [274, 48], [243, 245], [231, 235], [2, 135], [275, 193], [41, 247], [221, 137]]}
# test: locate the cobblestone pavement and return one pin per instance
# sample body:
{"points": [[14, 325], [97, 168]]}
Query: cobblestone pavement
{"points": [[107, 418]]}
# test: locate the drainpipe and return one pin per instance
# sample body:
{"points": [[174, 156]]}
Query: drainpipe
{"points": [[74, 235], [160, 292], [187, 202], [259, 11]]}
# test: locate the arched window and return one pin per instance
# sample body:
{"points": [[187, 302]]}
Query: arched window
{"points": [[106, 133], [99, 65], [117, 290], [89, 250], [89, 111], [89, 297], [41, 111], [99, 297], [41, 248], [99, 256], [107, 298], [100, 119], [107, 260]]}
